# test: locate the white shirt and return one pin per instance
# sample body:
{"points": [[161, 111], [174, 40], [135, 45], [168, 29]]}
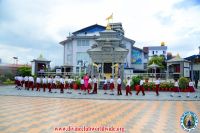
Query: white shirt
{"points": [[25, 78], [176, 84], [105, 81], [62, 81], [54, 80], [20, 78], [31, 79], [128, 83], [44, 80], [111, 80], [95, 80], [38, 80], [191, 84], [119, 81], [49, 80], [157, 82], [82, 81], [141, 82], [90, 80]]}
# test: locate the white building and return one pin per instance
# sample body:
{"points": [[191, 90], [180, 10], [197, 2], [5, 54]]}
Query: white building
{"points": [[156, 50], [77, 44]]}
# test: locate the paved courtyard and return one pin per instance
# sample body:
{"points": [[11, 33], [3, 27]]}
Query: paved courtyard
{"points": [[47, 114]]}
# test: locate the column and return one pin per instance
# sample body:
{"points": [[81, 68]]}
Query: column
{"points": [[192, 71], [113, 69], [102, 70]]}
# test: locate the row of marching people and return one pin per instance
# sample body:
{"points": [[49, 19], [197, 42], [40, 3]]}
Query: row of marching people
{"points": [[88, 85]]}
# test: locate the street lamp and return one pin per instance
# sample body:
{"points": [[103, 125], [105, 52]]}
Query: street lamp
{"points": [[15, 60]]}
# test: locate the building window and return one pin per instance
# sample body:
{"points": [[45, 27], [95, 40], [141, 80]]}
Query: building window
{"points": [[156, 52], [163, 52], [153, 52], [83, 42], [81, 57]]}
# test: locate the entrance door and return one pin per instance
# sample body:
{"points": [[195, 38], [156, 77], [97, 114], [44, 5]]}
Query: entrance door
{"points": [[107, 68]]}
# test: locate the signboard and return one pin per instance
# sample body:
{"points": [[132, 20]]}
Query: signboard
{"points": [[58, 71], [136, 56], [186, 72], [186, 64]]}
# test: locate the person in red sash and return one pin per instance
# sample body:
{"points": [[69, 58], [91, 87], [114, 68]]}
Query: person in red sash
{"points": [[49, 81], [95, 85], [141, 88], [86, 80], [82, 86], [44, 83], [119, 85], [105, 85], [38, 83], [62, 85], [191, 88], [128, 87], [31, 82], [26, 82], [157, 83], [89, 84], [22, 82], [176, 88], [111, 85], [66, 84]]}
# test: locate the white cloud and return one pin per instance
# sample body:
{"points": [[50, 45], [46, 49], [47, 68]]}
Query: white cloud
{"points": [[41, 25]]}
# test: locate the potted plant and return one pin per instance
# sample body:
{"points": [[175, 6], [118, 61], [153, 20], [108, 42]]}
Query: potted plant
{"points": [[146, 85]]}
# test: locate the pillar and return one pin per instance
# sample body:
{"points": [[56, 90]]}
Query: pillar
{"points": [[102, 69], [113, 69]]}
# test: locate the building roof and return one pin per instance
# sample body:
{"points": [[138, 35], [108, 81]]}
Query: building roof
{"points": [[193, 57], [178, 59], [90, 29], [140, 49], [155, 48], [40, 58], [14, 65]]}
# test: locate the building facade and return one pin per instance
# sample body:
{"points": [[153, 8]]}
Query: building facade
{"points": [[78, 43], [156, 50]]}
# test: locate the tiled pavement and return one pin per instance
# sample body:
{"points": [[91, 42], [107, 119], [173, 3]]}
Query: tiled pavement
{"points": [[39, 114], [46, 113], [164, 96]]}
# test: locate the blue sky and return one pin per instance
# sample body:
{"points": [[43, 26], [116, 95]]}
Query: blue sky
{"points": [[29, 28]]}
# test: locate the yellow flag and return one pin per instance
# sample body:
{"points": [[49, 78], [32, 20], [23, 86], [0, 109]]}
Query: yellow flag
{"points": [[110, 17]]}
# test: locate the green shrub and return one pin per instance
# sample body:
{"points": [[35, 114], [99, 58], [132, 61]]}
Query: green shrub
{"points": [[183, 83], [146, 85], [8, 82], [135, 80], [152, 85], [78, 82]]}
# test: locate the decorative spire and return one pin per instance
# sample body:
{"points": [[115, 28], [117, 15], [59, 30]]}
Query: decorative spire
{"points": [[108, 27], [162, 43], [178, 56]]}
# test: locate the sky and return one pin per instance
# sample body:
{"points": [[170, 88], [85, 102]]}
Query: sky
{"points": [[29, 28]]}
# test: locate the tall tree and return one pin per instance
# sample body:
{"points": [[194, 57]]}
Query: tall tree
{"points": [[158, 60], [24, 71]]}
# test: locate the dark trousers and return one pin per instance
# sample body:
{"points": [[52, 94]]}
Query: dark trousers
{"points": [[49, 87], [141, 89], [128, 90], [61, 88], [157, 89], [119, 89], [196, 84], [95, 88], [44, 87], [38, 87]]}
